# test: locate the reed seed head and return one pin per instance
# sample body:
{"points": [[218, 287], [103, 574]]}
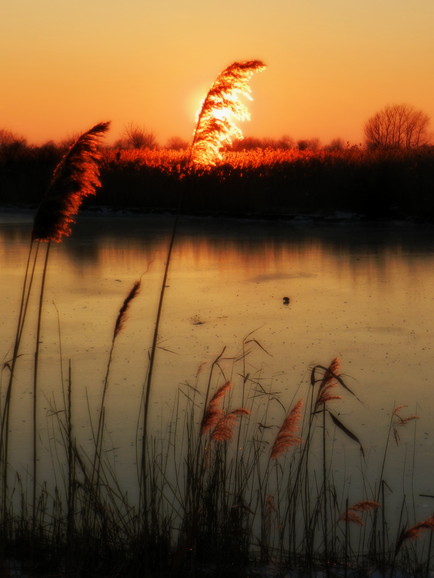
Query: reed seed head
{"points": [[415, 531], [122, 315], [328, 384], [287, 437], [75, 177], [365, 506], [222, 107], [214, 412], [224, 429], [350, 516]]}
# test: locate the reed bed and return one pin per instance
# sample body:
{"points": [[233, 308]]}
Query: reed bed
{"points": [[270, 183]]}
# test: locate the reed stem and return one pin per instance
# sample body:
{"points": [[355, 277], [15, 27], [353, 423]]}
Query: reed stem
{"points": [[35, 378], [22, 314]]}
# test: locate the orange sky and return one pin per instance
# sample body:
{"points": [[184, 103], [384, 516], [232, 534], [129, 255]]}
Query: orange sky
{"points": [[66, 64]]}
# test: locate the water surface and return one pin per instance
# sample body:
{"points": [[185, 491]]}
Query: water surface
{"points": [[361, 292]]}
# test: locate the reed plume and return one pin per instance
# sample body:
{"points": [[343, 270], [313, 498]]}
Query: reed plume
{"points": [[119, 324], [415, 531], [224, 429], [286, 437], [402, 420], [350, 516], [328, 384], [123, 311], [214, 412], [222, 107], [398, 420], [365, 506], [74, 178], [352, 513]]}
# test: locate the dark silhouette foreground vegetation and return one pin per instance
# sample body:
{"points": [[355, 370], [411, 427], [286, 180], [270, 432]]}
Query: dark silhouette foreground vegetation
{"points": [[276, 183]]}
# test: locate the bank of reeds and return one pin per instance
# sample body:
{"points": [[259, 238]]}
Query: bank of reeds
{"points": [[256, 183]]}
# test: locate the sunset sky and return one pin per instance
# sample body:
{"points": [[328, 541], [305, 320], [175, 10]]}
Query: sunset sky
{"points": [[67, 64]]}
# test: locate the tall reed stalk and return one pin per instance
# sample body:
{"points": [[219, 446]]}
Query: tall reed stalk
{"points": [[4, 431], [98, 437], [75, 177], [215, 127]]}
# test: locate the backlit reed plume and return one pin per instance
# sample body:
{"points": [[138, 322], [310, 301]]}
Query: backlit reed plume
{"points": [[328, 384], [415, 531], [222, 107], [75, 177], [352, 513], [224, 429], [287, 437], [214, 412]]}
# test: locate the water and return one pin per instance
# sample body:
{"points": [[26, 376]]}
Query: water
{"points": [[361, 292]]}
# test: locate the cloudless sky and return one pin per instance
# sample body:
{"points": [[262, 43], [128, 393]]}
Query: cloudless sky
{"points": [[67, 64]]}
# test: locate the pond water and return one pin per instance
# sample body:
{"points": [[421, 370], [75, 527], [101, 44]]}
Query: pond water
{"points": [[360, 292]]}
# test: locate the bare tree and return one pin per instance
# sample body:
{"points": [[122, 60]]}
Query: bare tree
{"points": [[397, 126], [136, 137]]}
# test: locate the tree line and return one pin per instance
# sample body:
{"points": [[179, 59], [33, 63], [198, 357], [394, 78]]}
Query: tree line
{"points": [[398, 126]]}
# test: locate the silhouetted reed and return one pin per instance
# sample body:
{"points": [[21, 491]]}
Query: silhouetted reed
{"points": [[75, 178]]}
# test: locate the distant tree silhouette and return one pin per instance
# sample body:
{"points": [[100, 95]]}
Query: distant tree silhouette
{"points": [[311, 144], [7, 137], [136, 137], [11, 145], [335, 145], [397, 126], [176, 143]]}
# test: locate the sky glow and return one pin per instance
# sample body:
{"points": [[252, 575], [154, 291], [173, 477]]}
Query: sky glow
{"points": [[330, 64]]}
